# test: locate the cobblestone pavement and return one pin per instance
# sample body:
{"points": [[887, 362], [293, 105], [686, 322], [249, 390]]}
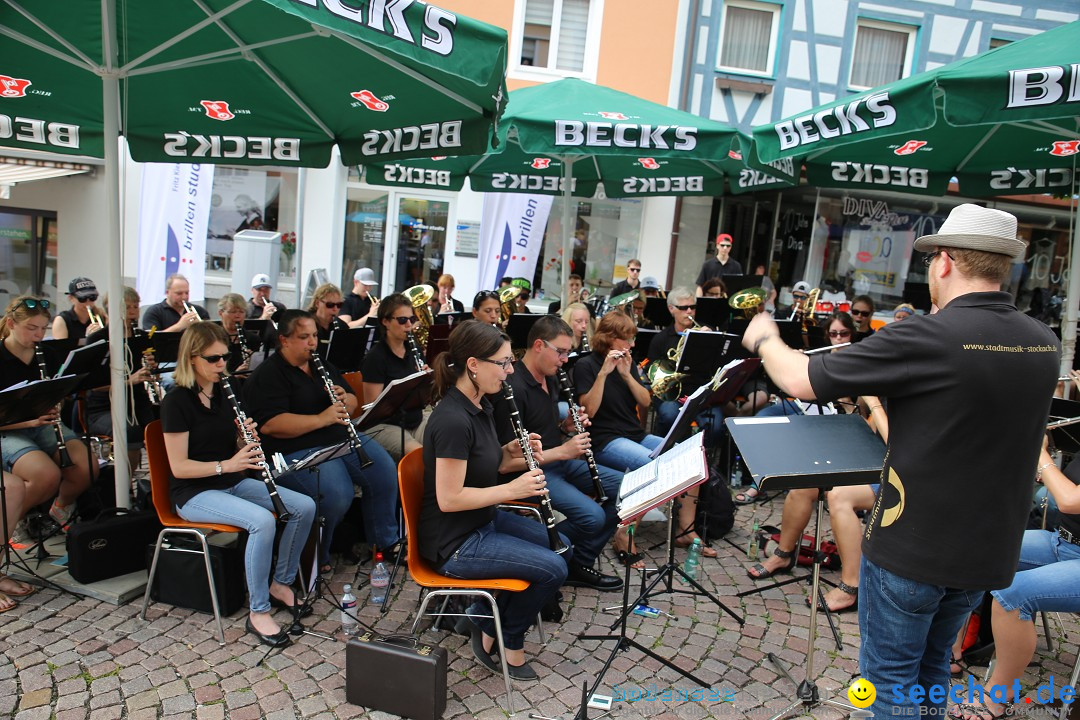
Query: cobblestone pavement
{"points": [[73, 659]]}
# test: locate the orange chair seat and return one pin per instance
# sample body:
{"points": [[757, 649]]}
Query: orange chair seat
{"points": [[426, 577], [355, 380]]}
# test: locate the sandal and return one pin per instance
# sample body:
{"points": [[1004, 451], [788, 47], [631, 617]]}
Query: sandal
{"points": [[7, 603], [749, 497], [624, 555], [686, 541], [23, 589], [843, 587], [762, 573], [979, 711]]}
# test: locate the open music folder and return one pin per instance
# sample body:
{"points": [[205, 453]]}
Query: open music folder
{"points": [[680, 468]]}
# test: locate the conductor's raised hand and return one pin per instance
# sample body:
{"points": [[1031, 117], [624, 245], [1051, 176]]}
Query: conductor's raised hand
{"points": [[760, 328]]}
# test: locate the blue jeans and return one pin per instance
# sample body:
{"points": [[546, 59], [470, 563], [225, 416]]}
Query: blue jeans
{"points": [[1047, 577], [627, 454], [335, 483], [247, 504], [588, 524], [908, 628], [511, 546], [710, 420]]}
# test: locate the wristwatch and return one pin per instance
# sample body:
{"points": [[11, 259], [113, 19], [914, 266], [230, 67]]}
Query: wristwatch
{"points": [[217, 468]]}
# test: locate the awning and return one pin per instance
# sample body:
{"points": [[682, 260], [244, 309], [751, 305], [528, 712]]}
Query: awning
{"points": [[14, 170]]}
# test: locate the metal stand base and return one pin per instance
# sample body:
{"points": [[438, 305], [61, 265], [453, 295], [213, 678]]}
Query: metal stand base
{"points": [[806, 692]]}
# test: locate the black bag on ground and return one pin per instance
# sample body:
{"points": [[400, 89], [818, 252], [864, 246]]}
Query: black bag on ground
{"points": [[715, 509], [110, 545], [181, 574]]}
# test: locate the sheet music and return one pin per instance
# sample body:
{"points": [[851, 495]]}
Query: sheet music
{"points": [[73, 354], [679, 468]]}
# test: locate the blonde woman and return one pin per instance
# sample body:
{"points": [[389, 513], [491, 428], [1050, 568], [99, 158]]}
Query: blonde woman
{"points": [[577, 316], [325, 305]]}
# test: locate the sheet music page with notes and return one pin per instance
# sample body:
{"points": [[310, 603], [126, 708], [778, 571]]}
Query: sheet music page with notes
{"points": [[681, 467]]}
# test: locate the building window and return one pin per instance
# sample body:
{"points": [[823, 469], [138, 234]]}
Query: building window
{"points": [[748, 40], [554, 35], [996, 42], [883, 53]]}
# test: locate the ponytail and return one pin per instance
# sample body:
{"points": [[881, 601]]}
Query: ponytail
{"points": [[471, 338]]}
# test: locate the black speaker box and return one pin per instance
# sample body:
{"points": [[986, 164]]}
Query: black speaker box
{"points": [[181, 574], [399, 675]]}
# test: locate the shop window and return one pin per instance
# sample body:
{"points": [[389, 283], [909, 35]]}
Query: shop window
{"points": [[883, 53], [748, 37]]}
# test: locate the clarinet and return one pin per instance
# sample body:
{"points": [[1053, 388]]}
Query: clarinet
{"points": [[585, 343], [354, 439], [594, 472], [546, 513], [61, 446], [413, 348], [249, 438]]}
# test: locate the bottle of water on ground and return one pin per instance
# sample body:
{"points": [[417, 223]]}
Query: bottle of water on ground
{"points": [[349, 625], [693, 559], [380, 580], [736, 472]]}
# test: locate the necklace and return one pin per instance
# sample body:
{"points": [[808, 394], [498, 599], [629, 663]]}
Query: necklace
{"points": [[208, 395]]}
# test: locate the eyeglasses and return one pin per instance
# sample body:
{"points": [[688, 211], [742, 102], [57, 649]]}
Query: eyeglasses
{"points": [[725, 244], [860, 313], [839, 333], [214, 359], [505, 363], [929, 258], [88, 299], [685, 307], [633, 269], [34, 303], [405, 320], [562, 353], [333, 305]]}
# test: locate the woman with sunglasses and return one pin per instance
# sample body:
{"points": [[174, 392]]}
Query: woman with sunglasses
{"points": [[389, 360], [485, 307], [30, 448], [862, 311], [461, 532], [325, 305], [232, 309], [76, 323], [214, 482]]}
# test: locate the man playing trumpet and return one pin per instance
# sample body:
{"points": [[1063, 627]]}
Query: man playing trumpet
{"points": [[174, 313]]}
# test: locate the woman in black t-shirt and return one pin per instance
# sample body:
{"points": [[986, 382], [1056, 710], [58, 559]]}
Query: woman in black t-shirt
{"points": [[232, 309], [389, 360], [461, 532], [325, 305], [211, 478]]}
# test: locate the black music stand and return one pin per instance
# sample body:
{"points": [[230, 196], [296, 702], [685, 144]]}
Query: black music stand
{"points": [[518, 328], [656, 310], [348, 347], [712, 312], [397, 398], [452, 318], [438, 341], [823, 452], [164, 345], [640, 351]]}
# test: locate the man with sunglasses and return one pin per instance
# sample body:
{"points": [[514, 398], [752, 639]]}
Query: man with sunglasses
{"points": [[632, 281], [720, 265], [588, 525], [76, 323], [955, 492], [862, 310], [174, 313]]}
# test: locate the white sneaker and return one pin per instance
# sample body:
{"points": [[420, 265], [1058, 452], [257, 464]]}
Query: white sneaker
{"points": [[655, 515], [62, 515]]}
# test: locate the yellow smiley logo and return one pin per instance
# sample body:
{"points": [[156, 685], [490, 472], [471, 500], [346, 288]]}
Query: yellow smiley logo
{"points": [[862, 693]]}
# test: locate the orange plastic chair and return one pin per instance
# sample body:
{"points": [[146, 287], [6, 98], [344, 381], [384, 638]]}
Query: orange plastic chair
{"points": [[355, 380], [160, 477], [411, 485]]}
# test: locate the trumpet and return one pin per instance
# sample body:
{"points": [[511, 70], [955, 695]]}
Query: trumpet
{"points": [[94, 319], [546, 513], [575, 410], [249, 439], [354, 438], [61, 446]]}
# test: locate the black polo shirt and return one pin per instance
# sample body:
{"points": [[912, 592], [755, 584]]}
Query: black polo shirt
{"points": [[969, 393], [254, 312], [211, 437], [355, 306], [457, 430], [617, 415], [13, 370], [276, 387], [712, 268], [381, 367], [324, 335], [539, 409], [622, 287], [162, 316]]}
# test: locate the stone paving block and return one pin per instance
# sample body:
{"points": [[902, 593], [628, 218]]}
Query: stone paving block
{"points": [[35, 698], [210, 712], [113, 712], [71, 714], [42, 712]]}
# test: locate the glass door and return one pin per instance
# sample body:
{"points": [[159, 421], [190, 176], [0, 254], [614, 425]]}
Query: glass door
{"points": [[365, 233], [28, 246], [420, 227]]}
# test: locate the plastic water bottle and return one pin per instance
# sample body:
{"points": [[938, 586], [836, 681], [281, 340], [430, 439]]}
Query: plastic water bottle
{"points": [[736, 472], [349, 625], [380, 579], [693, 559]]}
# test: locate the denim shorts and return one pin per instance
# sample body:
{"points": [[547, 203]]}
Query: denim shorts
{"points": [[1046, 576], [16, 443]]}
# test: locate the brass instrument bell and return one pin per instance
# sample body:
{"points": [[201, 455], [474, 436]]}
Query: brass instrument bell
{"points": [[748, 300], [507, 306], [419, 296]]}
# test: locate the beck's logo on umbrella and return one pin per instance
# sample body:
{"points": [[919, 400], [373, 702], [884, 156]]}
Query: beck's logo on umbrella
{"points": [[649, 163], [1065, 148], [370, 101], [612, 115], [13, 87], [541, 163], [217, 109], [909, 147]]}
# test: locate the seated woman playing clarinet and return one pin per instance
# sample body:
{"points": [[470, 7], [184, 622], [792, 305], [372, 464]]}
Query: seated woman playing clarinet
{"points": [[232, 308], [44, 452], [391, 359], [461, 532], [212, 480], [577, 316]]}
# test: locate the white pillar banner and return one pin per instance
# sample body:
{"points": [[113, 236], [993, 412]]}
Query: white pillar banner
{"points": [[511, 236], [173, 217]]}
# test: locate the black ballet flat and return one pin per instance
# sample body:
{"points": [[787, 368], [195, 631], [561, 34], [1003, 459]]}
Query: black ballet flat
{"points": [[298, 611], [279, 639]]}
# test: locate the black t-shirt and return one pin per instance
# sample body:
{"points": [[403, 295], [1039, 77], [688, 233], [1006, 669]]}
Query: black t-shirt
{"points": [[212, 437], [355, 306], [458, 430], [712, 268], [254, 312], [622, 287], [162, 316], [1065, 520], [13, 370], [324, 335], [539, 410], [76, 328], [617, 415], [969, 393], [276, 387], [860, 335], [381, 367]]}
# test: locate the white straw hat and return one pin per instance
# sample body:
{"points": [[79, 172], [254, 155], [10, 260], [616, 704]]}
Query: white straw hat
{"points": [[971, 227]]}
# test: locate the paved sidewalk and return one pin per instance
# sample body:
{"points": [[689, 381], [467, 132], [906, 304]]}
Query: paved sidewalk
{"points": [[75, 659]]}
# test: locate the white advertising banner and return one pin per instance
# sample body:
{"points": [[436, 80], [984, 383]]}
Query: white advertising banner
{"points": [[173, 216], [511, 236]]}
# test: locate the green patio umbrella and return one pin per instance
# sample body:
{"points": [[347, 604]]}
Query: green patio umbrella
{"points": [[250, 82], [567, 136], [1002, 123]]}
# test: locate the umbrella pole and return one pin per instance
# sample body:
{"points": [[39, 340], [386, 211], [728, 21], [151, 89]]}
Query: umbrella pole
{"points": [[301, 191], [568, 233], [1072, 300], [110, 97]]}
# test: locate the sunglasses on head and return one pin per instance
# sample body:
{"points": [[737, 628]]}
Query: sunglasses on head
{"points": [[685, 307], [485, 295], [333, 305], [839, 333], [405, 320], [860, 313], [214, 359], [34, 303]]}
